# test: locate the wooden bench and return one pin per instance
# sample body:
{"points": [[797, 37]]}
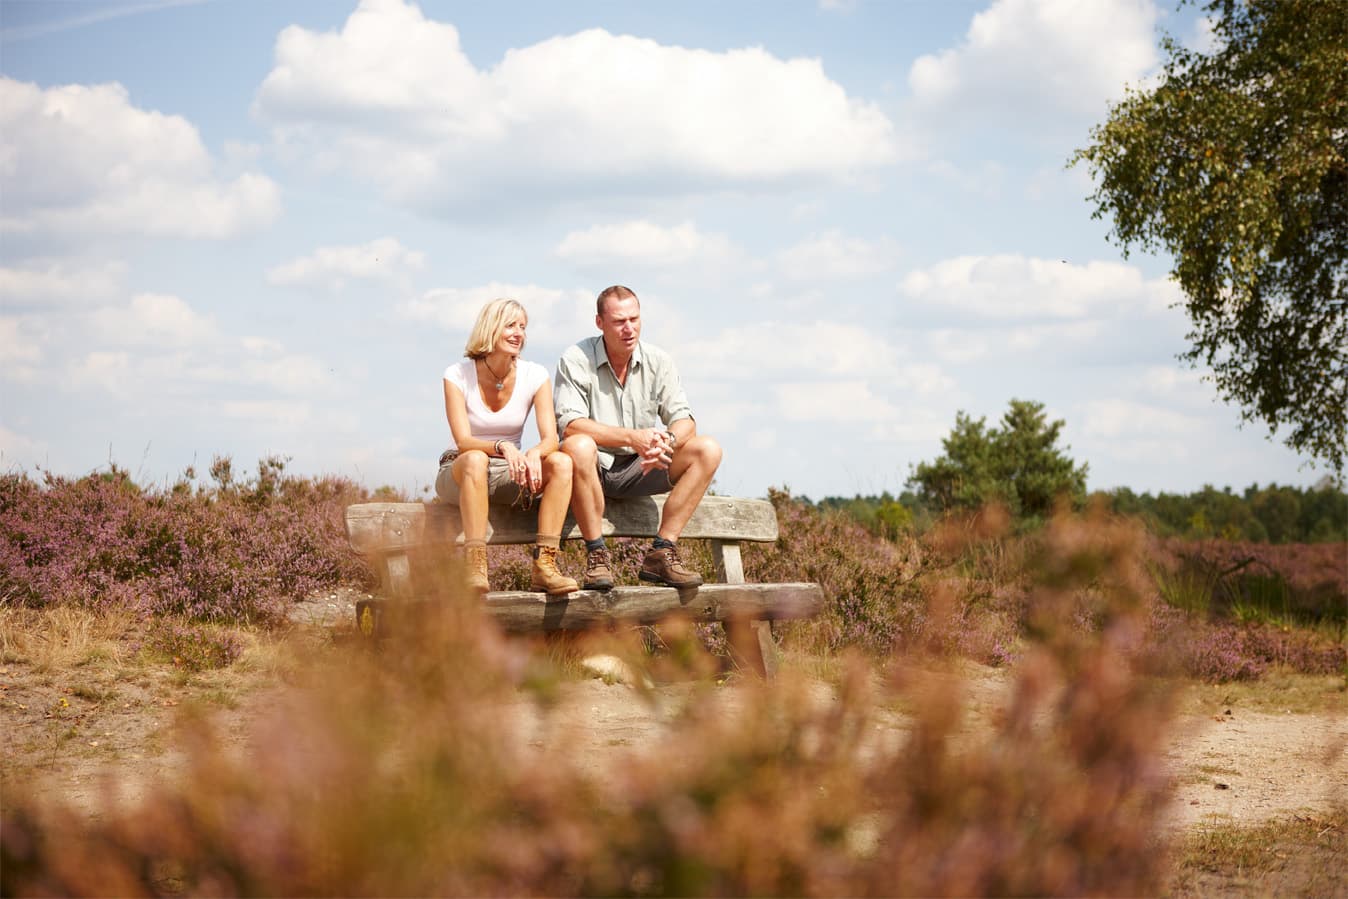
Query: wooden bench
{"points": [[393, 536]]}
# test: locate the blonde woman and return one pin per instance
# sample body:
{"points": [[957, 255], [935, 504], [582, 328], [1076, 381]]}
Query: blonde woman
{"points": [[488, 398]]}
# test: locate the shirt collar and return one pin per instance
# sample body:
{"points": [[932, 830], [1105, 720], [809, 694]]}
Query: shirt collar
{"points": [[600, 356]]}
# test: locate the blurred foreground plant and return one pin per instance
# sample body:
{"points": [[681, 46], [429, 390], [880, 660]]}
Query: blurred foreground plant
{"points": [[409, 771]]}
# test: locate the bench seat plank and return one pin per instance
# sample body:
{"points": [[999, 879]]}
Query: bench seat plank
{"points": [[378, 528], [531, 613]]}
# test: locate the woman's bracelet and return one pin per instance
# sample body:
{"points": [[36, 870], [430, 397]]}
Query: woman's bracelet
{"points": [[496, 449]]}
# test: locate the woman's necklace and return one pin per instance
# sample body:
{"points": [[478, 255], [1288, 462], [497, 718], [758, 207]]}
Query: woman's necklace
{"points": [[500, 381]]}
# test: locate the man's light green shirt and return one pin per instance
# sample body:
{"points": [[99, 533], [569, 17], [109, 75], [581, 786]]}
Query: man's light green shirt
{"points": [[585, 387]]}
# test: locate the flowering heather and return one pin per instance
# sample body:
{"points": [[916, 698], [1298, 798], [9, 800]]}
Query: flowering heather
{"points": [[1304, 582], [871, 600], [233, 552]]}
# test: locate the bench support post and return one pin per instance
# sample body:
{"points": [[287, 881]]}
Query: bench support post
{"points": [[751, 642]]}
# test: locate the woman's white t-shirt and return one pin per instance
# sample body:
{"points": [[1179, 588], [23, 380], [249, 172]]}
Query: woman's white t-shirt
{"points": [[508, 422]]}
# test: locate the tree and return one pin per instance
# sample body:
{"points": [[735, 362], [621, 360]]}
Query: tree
{"points": [[1236, 163], [1018, 465]]}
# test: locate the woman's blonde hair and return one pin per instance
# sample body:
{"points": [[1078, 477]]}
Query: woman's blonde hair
{"points": [[491, 321]]}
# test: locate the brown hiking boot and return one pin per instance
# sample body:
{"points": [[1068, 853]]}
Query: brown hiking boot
{"points": [[475, 561], [545, 577], [598, 575], [663, 566]]}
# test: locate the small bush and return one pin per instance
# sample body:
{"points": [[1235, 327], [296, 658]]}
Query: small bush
{"points": [[193, 646]]}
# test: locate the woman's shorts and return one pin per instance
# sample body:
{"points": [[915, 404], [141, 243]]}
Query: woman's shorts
{"points": [[500, 488]]}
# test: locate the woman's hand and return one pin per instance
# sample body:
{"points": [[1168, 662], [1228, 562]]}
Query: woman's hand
{"points": [[533, 464], [517, 463]]}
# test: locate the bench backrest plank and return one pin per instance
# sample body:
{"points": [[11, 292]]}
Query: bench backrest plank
{"points": [[378, 528]]}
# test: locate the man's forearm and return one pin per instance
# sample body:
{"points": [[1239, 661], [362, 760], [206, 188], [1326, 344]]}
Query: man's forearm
{"points": [[607, 436]]}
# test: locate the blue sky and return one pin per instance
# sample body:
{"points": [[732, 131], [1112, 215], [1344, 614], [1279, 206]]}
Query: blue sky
{"points": [[250, 228]]}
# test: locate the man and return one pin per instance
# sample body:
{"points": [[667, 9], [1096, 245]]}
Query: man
{"points": [[627, 427]]}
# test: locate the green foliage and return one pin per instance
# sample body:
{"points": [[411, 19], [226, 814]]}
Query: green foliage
{"points": [[883, 515], [1018, 465], [1236, 163], [1271, 514]]}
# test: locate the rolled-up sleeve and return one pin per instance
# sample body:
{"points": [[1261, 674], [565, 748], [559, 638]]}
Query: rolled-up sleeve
{"points": [[571, 388], [671, 401]]}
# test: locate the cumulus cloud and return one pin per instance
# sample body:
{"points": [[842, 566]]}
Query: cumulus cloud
{"points": [[393, 97], [1031, 59], [1012, 286], [152, 318], [830, 351], [20, 448], [833, 255], [83, 159], [384, 259], [58, 282], [1113, 418], [830, 402], [644, 243], [20, 346], [157, 345], [456, 309]]}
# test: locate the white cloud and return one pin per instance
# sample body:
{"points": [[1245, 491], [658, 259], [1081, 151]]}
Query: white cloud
{"points": [[59, 282], [151, 318], [394, 97], [958, 346], [158, 346], [106, 370], [456, 309], [271, 413], [384, 259], [1204, 38], [1031, 59], [984, 179], [833, 255], [832, 353], [1119, 418], [291, 373], [1014, 286], [1032, 338], [19, 449], [80, 158], [827, 402], [260, 345], [20, 347], [645, 243]]}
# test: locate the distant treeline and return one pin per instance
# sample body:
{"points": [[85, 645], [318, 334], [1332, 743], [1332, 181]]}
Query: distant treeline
{"points": [[1271, 514]]}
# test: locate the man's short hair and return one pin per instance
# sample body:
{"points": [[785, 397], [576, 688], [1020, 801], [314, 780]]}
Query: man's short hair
{"points": [[617, 292]]}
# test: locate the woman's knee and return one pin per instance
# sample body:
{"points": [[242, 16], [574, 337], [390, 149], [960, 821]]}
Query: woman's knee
{"points": [[473, 465]]}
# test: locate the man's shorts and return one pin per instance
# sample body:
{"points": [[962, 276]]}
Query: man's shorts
{"points": [[500, 488], [625, 478]]}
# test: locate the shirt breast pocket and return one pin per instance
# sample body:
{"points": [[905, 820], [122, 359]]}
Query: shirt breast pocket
{"points": [[648, 414]]}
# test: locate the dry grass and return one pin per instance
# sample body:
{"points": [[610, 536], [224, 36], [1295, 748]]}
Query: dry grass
{"points": [[1303, 855], [1277, 692], [60, 638]]}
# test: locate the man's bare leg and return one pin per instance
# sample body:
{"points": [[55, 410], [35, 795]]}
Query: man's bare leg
{"points": [[694, 466], [587, 493]]}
